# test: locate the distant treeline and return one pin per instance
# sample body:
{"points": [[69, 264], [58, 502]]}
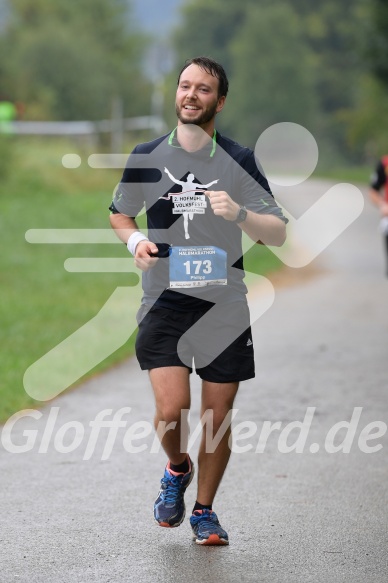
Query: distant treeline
{"points": [[69, 60], [321, 64]]}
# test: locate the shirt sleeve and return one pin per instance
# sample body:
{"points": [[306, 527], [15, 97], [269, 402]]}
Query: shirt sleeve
{"points": [[128, 198], [256, 194]]}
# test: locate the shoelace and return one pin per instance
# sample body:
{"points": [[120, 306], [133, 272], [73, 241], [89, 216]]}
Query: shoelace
{"points": [[207, 519], [172, 490]]}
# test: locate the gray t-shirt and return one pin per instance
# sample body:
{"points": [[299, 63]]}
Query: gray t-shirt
{"points": [[170, 183]]}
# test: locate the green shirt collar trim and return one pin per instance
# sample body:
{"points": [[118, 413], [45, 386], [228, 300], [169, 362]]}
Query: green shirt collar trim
{"points": [[172, 141]]}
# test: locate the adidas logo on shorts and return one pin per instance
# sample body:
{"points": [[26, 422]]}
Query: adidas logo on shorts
{"points": [[249, 342]]}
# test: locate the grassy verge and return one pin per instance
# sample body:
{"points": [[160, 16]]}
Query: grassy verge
{"points": [[353, 175], [42, 304]]}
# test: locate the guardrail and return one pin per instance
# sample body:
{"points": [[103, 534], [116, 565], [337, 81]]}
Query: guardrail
{"points": [[83, 128]]}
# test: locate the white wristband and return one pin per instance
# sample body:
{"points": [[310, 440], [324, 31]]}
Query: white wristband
{"points": [[133, 241]]}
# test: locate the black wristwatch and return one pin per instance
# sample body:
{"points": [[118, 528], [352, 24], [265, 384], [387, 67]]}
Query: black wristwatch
{"points": [[242, 215]]}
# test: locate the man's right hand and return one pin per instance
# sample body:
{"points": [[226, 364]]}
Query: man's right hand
{"points": [[143, 255]]}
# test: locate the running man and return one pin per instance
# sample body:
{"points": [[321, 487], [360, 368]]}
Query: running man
{"points": [[378, 194], [194, 312]]}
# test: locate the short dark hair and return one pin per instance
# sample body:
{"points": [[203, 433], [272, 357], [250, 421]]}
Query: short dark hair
{"points": [[213, 68]]}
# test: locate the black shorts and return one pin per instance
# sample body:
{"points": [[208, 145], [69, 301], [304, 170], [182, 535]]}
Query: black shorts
{"points": [[218, 341]]}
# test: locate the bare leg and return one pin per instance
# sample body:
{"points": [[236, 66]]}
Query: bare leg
{"points": [[219, 398], [172, 395]]}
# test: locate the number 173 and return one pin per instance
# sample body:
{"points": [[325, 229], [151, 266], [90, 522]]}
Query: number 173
{"points": [[205, 266]]}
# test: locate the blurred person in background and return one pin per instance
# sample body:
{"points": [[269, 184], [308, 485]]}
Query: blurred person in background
{"points": [[378, 194], [8, 114]]}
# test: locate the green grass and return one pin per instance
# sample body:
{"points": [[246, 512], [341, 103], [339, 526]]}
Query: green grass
{"points": [[351, 174], [41, 303]]}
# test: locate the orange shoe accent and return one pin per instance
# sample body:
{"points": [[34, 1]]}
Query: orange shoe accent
{"points": [[172, 471], [165, 524], [179, 473], [213, 539]]}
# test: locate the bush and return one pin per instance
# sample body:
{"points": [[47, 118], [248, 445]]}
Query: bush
{"points": [[6, 155]]}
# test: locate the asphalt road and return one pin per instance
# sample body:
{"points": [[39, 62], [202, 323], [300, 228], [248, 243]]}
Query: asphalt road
{"points": [[312, 515]]}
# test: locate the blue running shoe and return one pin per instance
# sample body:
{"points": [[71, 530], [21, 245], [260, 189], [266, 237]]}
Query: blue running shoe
{"points": [[206, 528], [169, 507]]}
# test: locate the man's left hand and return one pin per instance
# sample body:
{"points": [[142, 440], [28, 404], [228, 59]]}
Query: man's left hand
{"points": [[222, 204]]}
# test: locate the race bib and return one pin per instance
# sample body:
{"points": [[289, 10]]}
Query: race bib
{"points": [[197, 266]]}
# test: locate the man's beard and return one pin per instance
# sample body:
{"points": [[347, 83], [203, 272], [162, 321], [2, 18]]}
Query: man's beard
{"points": [[204, 118]]}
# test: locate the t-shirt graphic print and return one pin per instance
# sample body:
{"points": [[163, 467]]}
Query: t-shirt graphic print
{"points": [[189, 201]]}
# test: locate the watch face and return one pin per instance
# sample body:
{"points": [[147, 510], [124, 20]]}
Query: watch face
{"points": [[242, 215]]}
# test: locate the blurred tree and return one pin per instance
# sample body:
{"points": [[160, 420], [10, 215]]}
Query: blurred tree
{"points": [[68, 60], [333, 30], [264, 54], [272, 73], [367, 123], [294, 60], [335, 33], [209, 26], [377, 51]]}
